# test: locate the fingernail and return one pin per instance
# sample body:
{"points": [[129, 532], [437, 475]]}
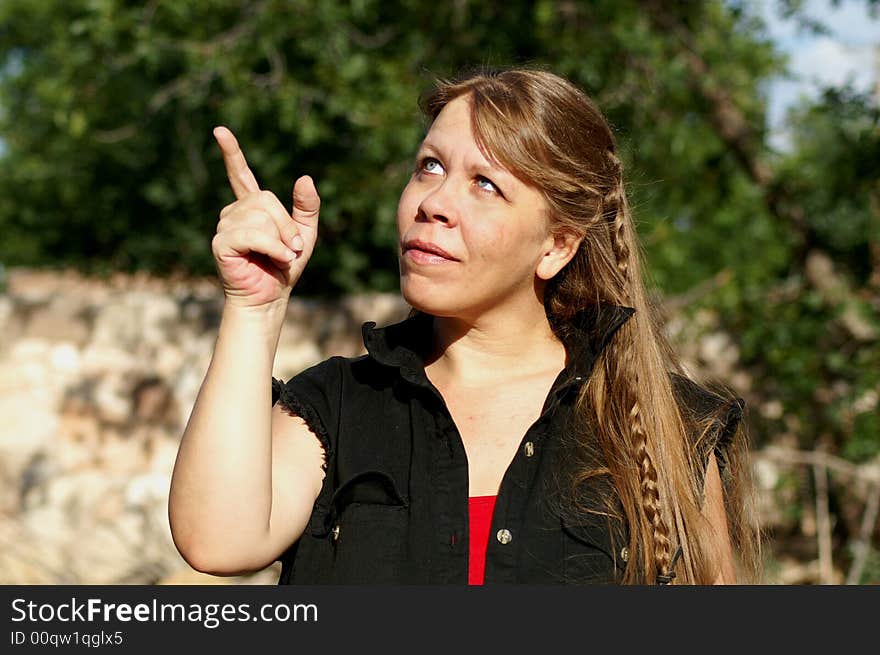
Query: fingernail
{"points": [[297, 243], [290, 254]]}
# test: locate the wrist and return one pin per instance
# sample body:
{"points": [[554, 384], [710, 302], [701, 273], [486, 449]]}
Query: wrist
{"points": [[270, 315]]}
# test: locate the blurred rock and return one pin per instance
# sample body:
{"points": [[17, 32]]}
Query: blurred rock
{"points": [[61, 319], [29, 428], [97, 380]]}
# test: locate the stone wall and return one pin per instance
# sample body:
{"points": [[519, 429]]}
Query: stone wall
{"points": [[97, 379]]}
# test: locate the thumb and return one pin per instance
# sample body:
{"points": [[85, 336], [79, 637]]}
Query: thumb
{"points": [[306, 203]]}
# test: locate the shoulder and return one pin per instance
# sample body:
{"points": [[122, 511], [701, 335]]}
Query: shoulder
{"points": [[323, 385], [330, 373], [325, 392], [700, 401], [321, 375], [711, 416]]}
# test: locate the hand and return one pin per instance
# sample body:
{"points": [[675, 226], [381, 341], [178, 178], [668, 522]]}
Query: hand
{"points": [[260, 249]]}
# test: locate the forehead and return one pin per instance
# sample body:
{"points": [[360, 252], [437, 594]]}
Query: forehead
{"points": [[452, 133], [456, 115]]}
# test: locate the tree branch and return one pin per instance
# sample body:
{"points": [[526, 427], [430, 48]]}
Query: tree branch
{"points": [[732, 126], [869, 520], [868, 472], [823, 525]]}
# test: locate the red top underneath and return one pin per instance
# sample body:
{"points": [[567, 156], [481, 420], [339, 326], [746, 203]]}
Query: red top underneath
{"points": [[480, 519]]}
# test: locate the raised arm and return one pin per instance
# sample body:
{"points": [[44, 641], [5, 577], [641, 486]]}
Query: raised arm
{"points": [[247, 475]]}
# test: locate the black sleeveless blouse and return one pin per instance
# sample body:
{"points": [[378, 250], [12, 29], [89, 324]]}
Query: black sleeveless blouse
{"points": [[393, 508]]}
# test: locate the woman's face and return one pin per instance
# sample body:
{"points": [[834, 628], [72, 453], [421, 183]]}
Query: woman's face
{"points": [[472, 236]]}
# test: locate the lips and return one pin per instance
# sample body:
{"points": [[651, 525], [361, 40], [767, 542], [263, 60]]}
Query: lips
{"points": [[427, 247]]}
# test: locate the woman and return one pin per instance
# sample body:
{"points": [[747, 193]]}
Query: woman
{"points": [[527, 422]]}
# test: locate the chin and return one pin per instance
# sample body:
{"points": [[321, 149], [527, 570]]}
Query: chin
{"points": [[433, 299]]}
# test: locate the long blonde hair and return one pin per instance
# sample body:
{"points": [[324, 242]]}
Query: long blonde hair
{"points": [[549, 134]]}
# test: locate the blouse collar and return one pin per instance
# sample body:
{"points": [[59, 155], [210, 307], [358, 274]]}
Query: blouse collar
{"points": [[402, 345]]}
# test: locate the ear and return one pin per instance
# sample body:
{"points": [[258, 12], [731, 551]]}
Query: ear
{"points": [[559, 249]]}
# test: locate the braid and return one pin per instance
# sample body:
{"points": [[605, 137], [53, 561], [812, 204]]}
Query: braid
{"points": [[650, 491], [613, 204], [614, 211]]}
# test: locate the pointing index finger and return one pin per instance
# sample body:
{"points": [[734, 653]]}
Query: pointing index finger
{"points": [[240, 176]]}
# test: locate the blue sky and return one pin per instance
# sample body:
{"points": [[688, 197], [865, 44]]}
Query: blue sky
{"points": [[849, 53]]}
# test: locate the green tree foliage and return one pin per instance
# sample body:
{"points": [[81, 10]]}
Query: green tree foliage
{"points": [[107, 109], [816, 344]]}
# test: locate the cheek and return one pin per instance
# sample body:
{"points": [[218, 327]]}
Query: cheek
{"points": [[497, 242], [488, 237], [407, 207]]}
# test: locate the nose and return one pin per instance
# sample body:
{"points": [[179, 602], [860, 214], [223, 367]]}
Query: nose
{"points": [[440, 205]]}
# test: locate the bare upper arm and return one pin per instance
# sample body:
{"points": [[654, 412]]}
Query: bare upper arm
{"points": [[713, 510], [297, 477]]}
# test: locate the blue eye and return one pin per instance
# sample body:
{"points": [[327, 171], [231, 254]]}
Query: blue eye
{"points": [[431, 166], [486, 185]]}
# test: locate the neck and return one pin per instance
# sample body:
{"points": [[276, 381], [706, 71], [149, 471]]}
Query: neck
{"points": [[496, 344]]}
